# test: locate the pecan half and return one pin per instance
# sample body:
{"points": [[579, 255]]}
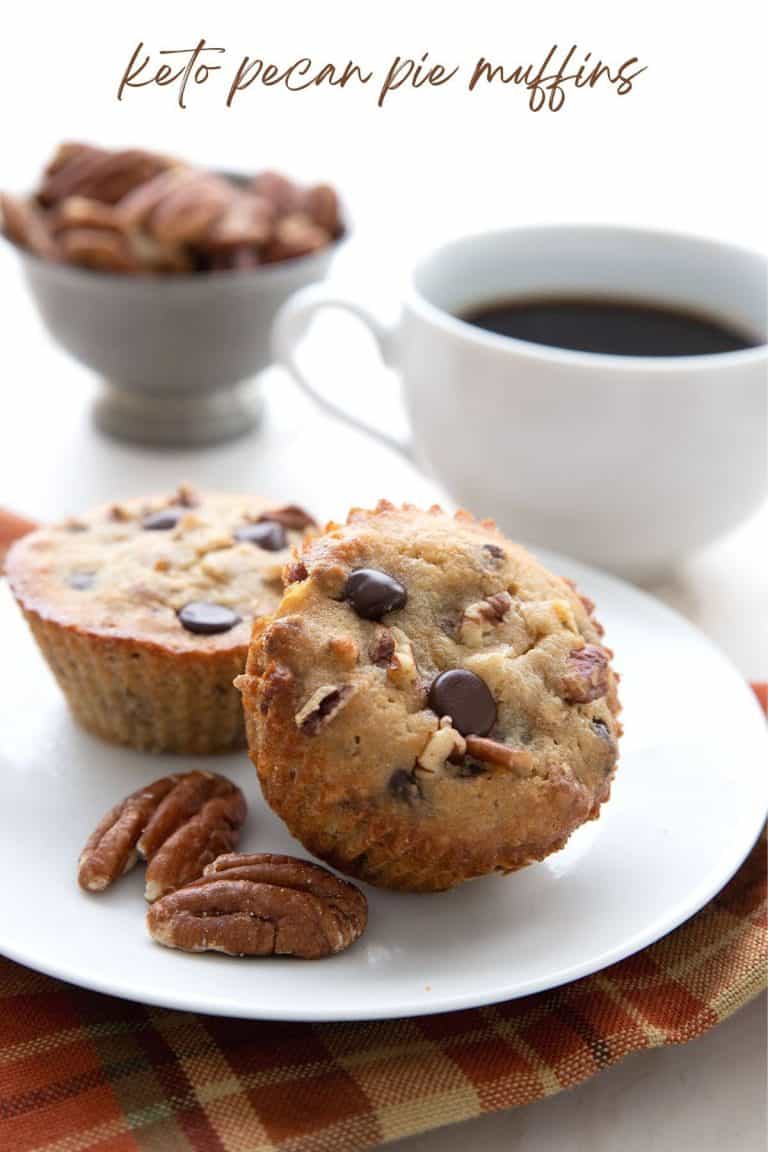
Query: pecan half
{"points": [[81, 212], [321, 707], [279, 190], [321, 204], [110, 850], [247, 220], [178, 824], [99, 174], [261, 905], [97, 248], [24, 224], [295, 235], [587, 676]]}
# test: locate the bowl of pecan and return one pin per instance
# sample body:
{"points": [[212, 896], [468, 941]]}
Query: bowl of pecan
{"points": [[164, 278]]}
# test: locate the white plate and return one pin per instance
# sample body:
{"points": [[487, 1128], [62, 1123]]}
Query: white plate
{"points": [[688, 802]]}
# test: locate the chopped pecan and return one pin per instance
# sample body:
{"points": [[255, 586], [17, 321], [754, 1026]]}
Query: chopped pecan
{"points": [[344, 650], [295, 572], [382, 648], [587, 674], [492, 752], [261, 905], [321, 707], [481, 618], [402, 670], [291, 516], [444, 744], [494, 554], [178, 824], [136, 208], [187, 212]]}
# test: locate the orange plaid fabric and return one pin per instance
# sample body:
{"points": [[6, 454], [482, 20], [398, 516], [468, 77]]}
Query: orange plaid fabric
{"points": [[81, 1072]]}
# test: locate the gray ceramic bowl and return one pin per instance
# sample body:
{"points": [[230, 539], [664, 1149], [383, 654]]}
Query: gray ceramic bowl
{"points": [[173, 353]]}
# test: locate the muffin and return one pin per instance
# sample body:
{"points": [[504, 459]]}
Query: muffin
{"points": [[144, 610], [428, 703]]}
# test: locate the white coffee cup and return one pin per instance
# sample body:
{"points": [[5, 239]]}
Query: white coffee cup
{"points": [[630, 462]]}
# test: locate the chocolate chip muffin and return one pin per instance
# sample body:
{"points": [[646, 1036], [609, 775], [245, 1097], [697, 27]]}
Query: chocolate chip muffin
{"points": [[428, 703], [144, 610]]}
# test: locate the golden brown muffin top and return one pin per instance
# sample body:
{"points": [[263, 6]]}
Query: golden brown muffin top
{"points": [[188, 571], [429, 702]]}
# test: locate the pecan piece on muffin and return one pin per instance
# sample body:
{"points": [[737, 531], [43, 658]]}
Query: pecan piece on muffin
{"points": [[477, 725]]}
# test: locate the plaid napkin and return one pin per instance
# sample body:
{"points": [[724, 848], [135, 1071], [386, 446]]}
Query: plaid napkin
{"points": [[82, 1072]]}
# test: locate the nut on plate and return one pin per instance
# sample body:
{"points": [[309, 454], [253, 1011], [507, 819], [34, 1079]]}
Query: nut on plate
{"points": [[178, 824], [261, 905]]}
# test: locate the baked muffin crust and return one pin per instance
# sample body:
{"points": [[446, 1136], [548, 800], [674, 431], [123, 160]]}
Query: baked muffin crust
{"points": [[144, 610], [390, 621]]}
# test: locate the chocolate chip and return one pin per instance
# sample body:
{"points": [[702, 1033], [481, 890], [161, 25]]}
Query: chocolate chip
{"points": [[206, 619], [163, 520], [373, 593], [466, 698], [493, 552], [267, 534], [81, 580], [404, 786]]}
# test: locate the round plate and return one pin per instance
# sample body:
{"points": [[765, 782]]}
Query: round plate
{"points": [[688, 802]]}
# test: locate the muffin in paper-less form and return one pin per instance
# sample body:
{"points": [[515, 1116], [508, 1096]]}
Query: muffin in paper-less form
{"points": [[428, 703], [143, 610]]}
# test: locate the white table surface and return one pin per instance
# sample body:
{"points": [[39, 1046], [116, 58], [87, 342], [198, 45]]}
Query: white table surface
{"points": [[711, 1093]]}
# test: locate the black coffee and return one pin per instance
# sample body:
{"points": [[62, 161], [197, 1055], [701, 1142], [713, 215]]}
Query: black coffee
{"points": [[613, 327]]}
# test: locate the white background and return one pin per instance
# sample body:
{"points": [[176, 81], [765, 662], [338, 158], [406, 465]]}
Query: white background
{"points": [[683, 150]]}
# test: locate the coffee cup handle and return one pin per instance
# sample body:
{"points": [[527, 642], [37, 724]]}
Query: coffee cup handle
{"points": [[290, 326]]}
